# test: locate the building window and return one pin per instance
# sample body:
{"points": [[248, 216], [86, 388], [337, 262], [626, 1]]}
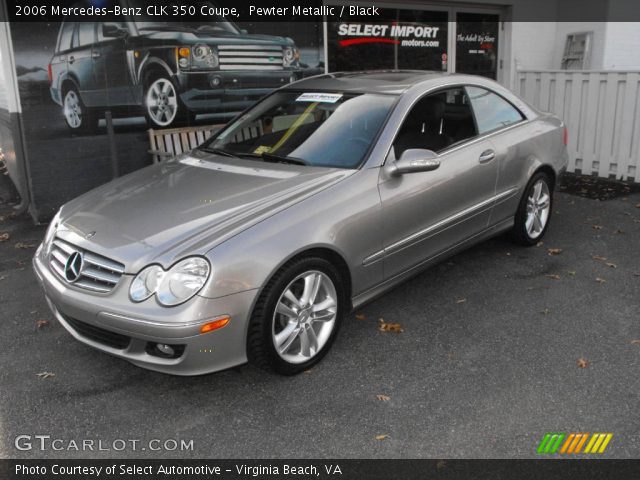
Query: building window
{"points": [[577, 50]]}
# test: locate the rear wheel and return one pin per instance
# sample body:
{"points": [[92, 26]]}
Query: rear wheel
{"points": [[78, 117], [162, 106], [534, 211], [297, 317]]}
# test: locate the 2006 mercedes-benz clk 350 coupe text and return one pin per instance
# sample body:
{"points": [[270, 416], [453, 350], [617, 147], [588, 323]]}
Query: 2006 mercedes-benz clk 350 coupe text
{"points": [[323, 195]]}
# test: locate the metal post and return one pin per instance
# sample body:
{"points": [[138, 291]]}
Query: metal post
{"points": [[112, 145]]}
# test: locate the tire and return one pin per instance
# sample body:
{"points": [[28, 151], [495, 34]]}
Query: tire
{"points": [[162, 105], [534, 212], [284, 343], [78, 117]]}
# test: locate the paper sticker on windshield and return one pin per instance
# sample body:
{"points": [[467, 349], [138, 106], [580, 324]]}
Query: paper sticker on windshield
{"points": [[319, 97]]}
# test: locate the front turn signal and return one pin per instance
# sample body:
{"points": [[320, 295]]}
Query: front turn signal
{"points": [[215, 325]]}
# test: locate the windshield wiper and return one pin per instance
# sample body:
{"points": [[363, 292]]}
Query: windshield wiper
{"points": [[271, 157], [219, 151]]}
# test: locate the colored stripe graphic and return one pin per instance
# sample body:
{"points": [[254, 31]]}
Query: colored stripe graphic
{"points": [[573, 443]]}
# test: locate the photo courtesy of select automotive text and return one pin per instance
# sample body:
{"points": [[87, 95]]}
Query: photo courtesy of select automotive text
{"points": [[319, 239]]}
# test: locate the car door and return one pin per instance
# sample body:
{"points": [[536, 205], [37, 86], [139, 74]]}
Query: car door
{"points": [[81, 62], [428, 213], [113, 68]]}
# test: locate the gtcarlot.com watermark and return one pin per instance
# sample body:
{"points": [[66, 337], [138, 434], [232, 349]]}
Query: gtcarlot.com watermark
{"points": [[47, 443]]}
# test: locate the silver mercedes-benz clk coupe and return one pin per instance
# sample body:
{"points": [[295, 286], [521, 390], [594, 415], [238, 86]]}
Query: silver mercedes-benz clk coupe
{"points": [[321, 196]]}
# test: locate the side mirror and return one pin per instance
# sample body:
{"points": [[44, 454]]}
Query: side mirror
{"points": [[113, 30], [414, 160]]}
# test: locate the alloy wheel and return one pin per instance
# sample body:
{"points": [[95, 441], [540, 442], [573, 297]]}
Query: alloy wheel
{"points": [[72, 109], [162, 102], [305, 317], [538, 208]]}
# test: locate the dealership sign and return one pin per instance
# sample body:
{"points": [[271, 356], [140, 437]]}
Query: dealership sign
{"points": [[405, 35]]}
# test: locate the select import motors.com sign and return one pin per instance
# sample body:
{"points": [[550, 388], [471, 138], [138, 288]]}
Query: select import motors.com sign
{"points": [[398, 39]]}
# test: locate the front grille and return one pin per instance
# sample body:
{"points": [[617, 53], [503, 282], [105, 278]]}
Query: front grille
{"points": [[97, 334], [250, 57], [92, 272]]}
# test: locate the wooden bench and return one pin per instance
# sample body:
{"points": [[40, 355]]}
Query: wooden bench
{"points": [[168, 143]]}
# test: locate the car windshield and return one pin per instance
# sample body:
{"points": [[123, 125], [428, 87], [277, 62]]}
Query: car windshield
{"points": [[214, 24], [310, 128]]}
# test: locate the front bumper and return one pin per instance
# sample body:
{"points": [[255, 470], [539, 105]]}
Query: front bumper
{"points": [[114, 316], [229, 92]]}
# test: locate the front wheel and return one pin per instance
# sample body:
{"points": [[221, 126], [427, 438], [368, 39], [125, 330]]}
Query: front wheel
{"points": [[297, 317], [534, 211], [162, 106]]}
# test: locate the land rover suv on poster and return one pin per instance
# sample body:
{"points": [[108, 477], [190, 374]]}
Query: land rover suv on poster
{"points": [[166, 71]]}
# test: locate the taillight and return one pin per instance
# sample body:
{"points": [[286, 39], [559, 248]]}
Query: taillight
{"points": [[565, 136], [49, 73]]}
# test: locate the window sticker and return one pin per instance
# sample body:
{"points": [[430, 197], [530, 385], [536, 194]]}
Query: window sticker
{"points": [[319, 97], [262, 149]]}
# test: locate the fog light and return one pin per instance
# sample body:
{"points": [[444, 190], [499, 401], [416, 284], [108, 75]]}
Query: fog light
{"points": [[216, 81], [183, 62], [214, 325], [166, 349]]}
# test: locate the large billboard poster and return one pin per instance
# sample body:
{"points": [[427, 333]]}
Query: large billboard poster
{"points": [[397, 39], [146, 74]]}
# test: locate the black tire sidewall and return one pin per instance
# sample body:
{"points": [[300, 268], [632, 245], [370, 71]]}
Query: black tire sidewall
{"points": [[520, 229], [269, 298]]}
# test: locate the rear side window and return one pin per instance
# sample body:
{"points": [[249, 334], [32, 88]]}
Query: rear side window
{"points": [[86, 33], [491, 110], [66, 35]]}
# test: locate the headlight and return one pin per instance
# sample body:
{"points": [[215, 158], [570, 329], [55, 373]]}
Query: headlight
{"points": [[176, 286], [51, 233], [146, 283], [204, 57], [289, 56]]}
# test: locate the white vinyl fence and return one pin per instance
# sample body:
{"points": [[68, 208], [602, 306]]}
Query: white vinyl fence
{"points": [[601, 111]]}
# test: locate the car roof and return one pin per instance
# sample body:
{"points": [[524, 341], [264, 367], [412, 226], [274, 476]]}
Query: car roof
{"points": [[383, 81]]}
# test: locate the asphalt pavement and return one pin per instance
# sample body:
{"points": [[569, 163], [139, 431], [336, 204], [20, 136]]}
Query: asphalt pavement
{"points": [[500, 345]]}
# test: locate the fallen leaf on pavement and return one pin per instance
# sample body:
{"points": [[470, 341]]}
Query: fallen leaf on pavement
{"points": [[637, 205], [618, 232], [612, 265], [599, 258], [635, 342], [539, 244], [4, 236], [571, 272], [383, 398], [554, 251], [24, 246], [546, 311], [583, 363], [553, 277], [600, 280], [381, 437], [461, 300], [390, 327], [597, 227], [307, 371], [42, 323], [360, 316], [43, 375], [2, 278]]}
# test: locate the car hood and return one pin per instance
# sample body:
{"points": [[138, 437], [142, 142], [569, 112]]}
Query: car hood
{"points": [[185, 206]]}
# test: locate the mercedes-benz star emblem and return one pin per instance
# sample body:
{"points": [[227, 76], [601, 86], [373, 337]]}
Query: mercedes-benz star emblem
{"points": [[73, 267]]}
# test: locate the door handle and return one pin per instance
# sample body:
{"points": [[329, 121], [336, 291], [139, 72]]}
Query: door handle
{"points": [[487, 156], [71, 59]]}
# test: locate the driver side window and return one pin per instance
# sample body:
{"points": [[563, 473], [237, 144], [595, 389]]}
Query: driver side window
{"points": [[436, 122]]}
